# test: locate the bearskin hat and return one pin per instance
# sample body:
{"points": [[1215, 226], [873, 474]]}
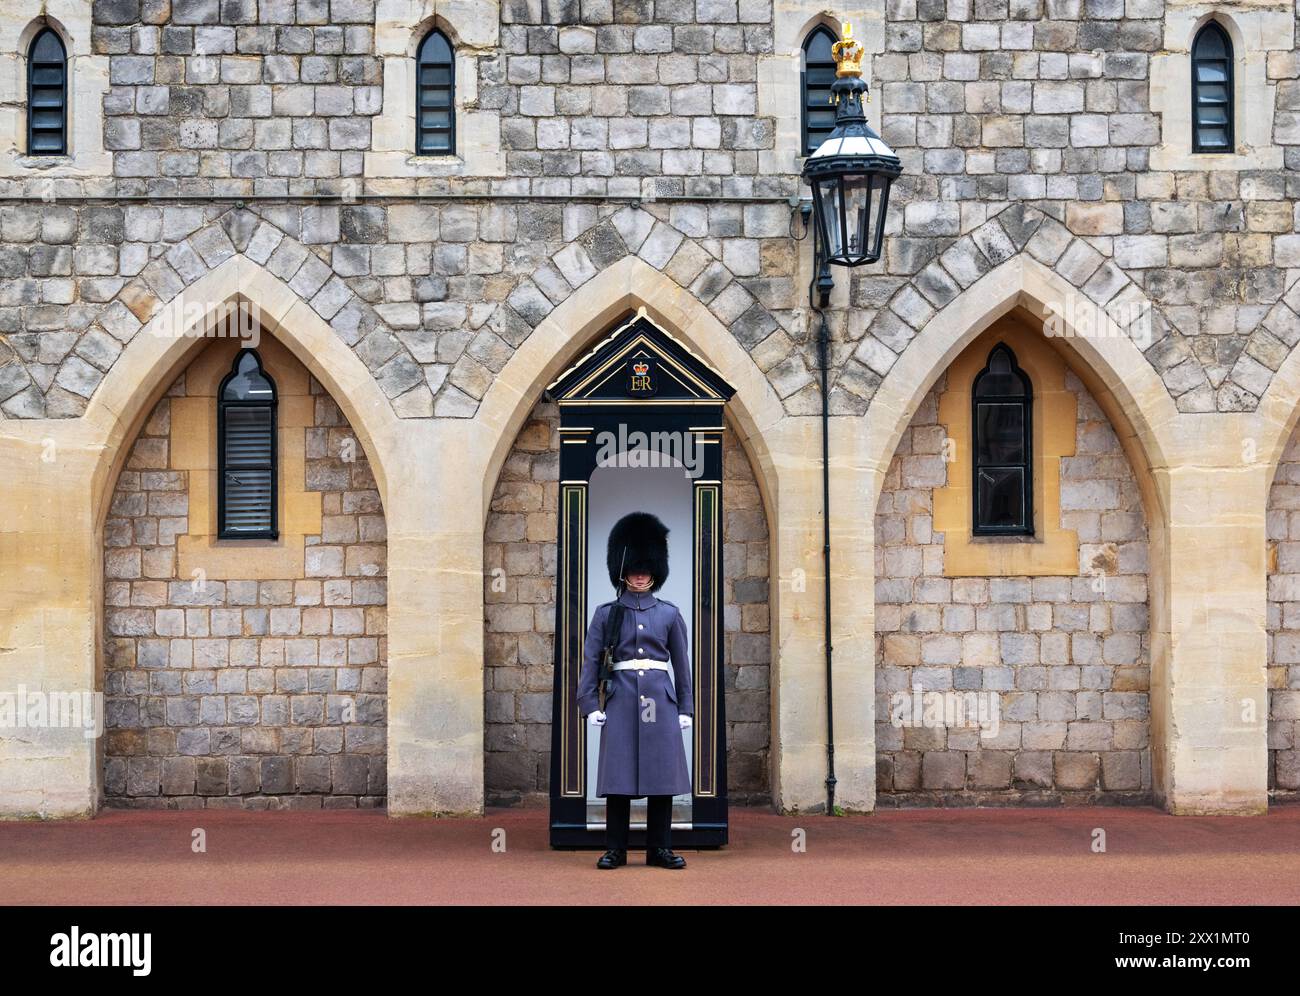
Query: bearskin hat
{"points": [[645, 540]]}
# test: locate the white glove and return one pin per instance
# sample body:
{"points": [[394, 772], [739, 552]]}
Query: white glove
{"points": [[684, 722], [597, 718]]}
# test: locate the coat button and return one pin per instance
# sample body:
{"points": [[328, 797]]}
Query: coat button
{"points": [[640, 625], [639, 650], [641, 673]]}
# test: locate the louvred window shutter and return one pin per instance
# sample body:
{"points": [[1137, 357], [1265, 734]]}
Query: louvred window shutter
{"points": [[249, 493], [247, 499], [47, 78]]}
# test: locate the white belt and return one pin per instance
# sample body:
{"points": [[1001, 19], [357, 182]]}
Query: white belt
{"points": [[641, 666]]}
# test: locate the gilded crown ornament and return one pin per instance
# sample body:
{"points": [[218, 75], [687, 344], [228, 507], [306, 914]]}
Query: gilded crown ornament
{"points": [[849, 174], [847, 53]]}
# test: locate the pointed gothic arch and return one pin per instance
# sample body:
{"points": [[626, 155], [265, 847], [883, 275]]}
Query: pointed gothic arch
{"points": [[1155, 440], [91, 451], [166, 344], [777, 446]]}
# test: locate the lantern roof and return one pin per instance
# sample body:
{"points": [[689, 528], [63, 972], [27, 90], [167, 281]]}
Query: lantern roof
{"points": [[866, 143], [852, 136]]}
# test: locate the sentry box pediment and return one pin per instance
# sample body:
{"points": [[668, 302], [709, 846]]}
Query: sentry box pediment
{"points": [[639, 362]]}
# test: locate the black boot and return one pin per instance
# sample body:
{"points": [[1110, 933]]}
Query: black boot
{"points": [[662, 857], [612, 858]]}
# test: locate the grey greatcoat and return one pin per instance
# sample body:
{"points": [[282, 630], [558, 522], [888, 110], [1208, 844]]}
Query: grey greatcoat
{"points": [[641, 751]]}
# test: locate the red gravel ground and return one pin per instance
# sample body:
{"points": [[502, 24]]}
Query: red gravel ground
{"points": [[916, 856]]}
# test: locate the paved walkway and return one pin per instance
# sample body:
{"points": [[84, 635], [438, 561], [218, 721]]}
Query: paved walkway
{"points": [[917, 856]]}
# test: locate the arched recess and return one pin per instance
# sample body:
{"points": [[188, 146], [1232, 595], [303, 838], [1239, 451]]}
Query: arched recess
{"points": [[1276, 424], [778, 449], [61, 473], [249, 673], [1051, 632], [519, 591], [1117, 376]]}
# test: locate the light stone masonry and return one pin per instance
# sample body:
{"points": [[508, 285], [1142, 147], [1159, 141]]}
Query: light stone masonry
{"points": [[1067, 658]]}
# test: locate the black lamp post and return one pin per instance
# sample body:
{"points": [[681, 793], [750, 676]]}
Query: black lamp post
{"points": [[850, 175]]}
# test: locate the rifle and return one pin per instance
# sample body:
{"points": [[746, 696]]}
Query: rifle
{"points": [[613, 627]]}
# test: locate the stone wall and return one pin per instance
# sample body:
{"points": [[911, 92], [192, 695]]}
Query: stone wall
{"points": [[1067, 657], [1025, 127], [1284, 627], [236, 689], [1036, 135], [519, 637], [747, 654], [519, 613]]}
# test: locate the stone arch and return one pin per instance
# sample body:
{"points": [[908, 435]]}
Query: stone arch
{"points": [[1223, 19], [47, 20], [1113, 370], [1079, 279], [1273, 434], [670, 239], [821, 19], [52, 583], [629, 284], [246, 674], [422, 29], [769, 439], [160, 350], [1144, 411], [90, 351], [402, 24]]}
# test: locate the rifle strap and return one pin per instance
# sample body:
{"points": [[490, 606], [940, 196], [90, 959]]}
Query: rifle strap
{"points": [[614, 625]]}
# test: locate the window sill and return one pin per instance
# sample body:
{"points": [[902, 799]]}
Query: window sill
{"points": [[88, 167], [1167, 159], [43, 162], [407, 165]]}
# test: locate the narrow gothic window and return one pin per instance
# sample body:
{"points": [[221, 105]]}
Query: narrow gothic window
{"points": [[246, 452], [1212, 90], [1002, 401], [435, 96], [815, 86], [47, 95]]}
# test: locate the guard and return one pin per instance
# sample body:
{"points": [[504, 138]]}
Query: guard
{"points": [[645, 707]]}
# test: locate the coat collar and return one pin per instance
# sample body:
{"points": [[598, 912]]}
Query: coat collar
{"points": [[637, 599]]}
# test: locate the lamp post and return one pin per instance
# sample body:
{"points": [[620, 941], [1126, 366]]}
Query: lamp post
{"points": [[850, 175]]}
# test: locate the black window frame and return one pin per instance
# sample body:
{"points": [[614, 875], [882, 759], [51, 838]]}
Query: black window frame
{"points": [[32, 106], [420, 63], [1214, 28], [805, 102], [223, 407], [1026, 465]]}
